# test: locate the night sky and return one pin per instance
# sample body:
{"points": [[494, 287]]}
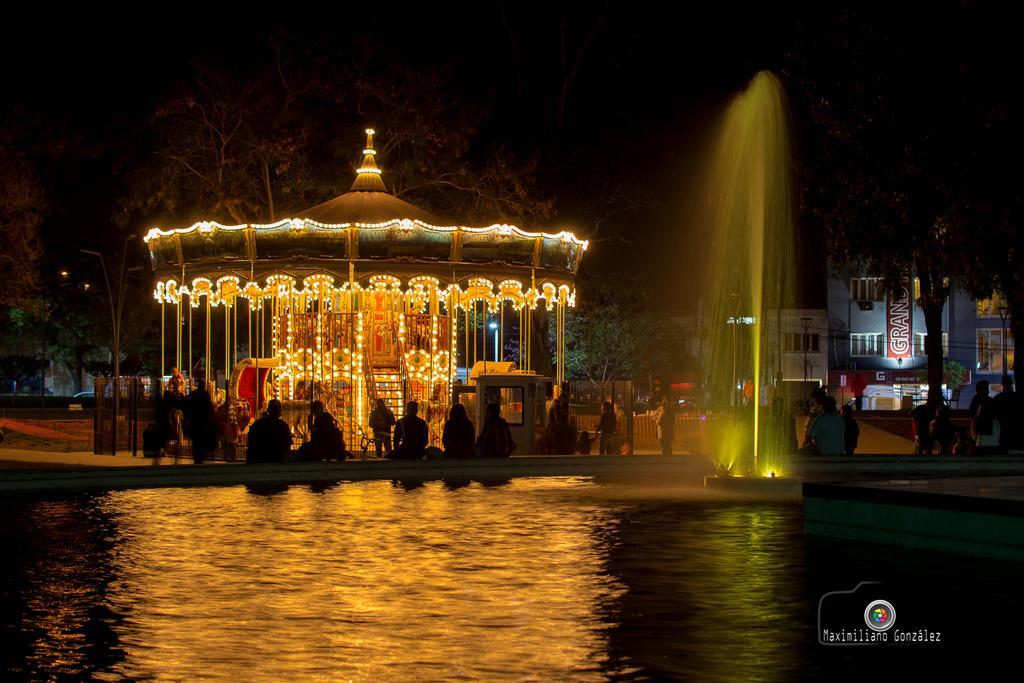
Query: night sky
{"points": [[645, 102]]}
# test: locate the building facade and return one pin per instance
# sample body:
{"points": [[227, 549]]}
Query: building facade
{"points": [[797, 341], [878, 341]]}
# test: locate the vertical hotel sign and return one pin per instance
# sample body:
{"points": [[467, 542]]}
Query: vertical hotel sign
{"points": [[899, 320]]}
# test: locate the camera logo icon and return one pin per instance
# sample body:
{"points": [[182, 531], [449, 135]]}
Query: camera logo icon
{"points": [[880, 615]]}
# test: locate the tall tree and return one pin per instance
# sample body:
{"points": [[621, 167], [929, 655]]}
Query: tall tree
{"points": [[889, 167], [259, 144], [612, 335], [996, 255], [22, 208]]}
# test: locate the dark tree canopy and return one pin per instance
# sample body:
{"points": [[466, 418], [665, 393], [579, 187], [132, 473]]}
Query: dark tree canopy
{"points": [[612, 334], [891, 170], [264, 142], [22, 207]]}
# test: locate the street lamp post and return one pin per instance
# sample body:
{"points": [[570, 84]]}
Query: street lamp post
{"points": [[1004, 313], [115, 319], [494, 326], [805, 342]]}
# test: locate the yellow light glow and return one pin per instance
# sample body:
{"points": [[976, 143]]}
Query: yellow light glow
{"points": [[502, 229]]}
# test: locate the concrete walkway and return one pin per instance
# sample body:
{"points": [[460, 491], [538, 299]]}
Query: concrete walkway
{"points": [[872, 440], [876, 441], [25, 458]]}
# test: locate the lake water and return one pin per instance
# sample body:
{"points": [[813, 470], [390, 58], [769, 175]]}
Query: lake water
{"points": [[538, 579]]}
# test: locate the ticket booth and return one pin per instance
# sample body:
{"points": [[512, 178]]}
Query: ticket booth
{"points": [[522, 397]]}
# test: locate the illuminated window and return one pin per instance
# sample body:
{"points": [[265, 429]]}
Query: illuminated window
{"points": [[990, 307], [797, 342], [510, 402], [990, 350], [867, 289], [920, 344], [866, 344]]}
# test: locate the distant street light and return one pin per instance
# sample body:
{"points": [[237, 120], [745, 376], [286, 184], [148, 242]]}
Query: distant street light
{"points": [[494, 326], [115, 319]]}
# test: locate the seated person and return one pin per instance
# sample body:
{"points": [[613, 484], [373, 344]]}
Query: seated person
{"points": [[583, 443], [151, 441], [325, 439], [827, 433], [495, 440], [457, 437], [411, 435], [269, 438]]}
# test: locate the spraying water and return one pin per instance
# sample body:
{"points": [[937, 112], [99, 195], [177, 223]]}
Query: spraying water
{"points": [[751, 273]]}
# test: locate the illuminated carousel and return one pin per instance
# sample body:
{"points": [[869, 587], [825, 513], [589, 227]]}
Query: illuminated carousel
{"points": [[362, 297]]}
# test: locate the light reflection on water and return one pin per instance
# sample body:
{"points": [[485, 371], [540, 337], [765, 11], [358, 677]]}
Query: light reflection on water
{"points": [[538, 579], [363, 581]]}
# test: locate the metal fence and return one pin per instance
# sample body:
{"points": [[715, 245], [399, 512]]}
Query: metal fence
{"points": [[121, 407], [691, 433], [50, 424], [586, 400]]}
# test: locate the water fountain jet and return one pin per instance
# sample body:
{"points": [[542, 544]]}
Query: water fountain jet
{"points": [[752, 273]]}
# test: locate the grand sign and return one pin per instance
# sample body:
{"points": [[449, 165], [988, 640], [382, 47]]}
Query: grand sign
{"points": [[899, 321]]}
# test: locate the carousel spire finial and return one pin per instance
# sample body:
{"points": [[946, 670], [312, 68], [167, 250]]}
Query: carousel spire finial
{"points": [[368, 175]]}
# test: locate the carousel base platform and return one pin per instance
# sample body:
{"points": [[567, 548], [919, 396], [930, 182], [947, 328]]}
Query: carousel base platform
{"points": [[979, 516], [642, 469]]}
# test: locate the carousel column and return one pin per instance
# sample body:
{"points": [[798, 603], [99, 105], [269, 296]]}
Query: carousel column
{"points": [[234, 332], [359, 412], [248, 330], [453, 338], [561, 351], [352, 304], [227, 343], [334, 344], [177, 331], [432, 309], [561, 342], [273, 324], [529, 338], [558, 343], [163, 335], [522, 338], [320, 332], [258, 384], [290, 338], [208, 366], [453, 342], [190, 307]]}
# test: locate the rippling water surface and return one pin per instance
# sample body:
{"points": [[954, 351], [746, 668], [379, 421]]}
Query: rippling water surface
{"points": [[542, 579]]}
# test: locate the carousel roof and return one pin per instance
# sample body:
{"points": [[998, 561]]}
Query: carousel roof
{"points": [[366, 224], [369, 201], [367, 207]]}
